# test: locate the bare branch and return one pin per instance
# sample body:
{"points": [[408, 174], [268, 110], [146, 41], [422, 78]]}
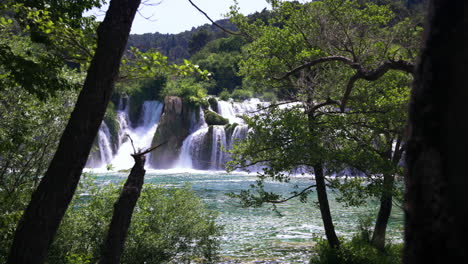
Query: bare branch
{"points": [[214, 23], [131, 141], [148, 150], [293, 196], [319, 61]]}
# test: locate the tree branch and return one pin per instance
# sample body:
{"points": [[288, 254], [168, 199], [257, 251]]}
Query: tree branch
{"points": [[293, 196], [148, 150], [375, 74], [214, 23]]}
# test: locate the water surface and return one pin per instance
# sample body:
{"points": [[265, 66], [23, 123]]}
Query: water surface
{"points": [[263, 235]]}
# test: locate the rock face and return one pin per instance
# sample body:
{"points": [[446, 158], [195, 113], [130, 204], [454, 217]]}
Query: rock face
{"points": [[174, 126]]}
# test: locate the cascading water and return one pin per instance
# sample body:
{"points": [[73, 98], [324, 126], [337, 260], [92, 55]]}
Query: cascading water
{"points": [[239, 133], [218, 147], [203, 149], [105, 149], [232, 110], [141, 135], [103, 155]]}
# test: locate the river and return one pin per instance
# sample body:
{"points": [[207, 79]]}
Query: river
{"points": [[264, 235]]}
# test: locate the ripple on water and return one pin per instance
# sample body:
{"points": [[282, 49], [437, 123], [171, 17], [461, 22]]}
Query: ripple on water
{"points": [[262, 235]]}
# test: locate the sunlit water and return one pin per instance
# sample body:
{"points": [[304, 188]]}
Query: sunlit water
{"points": [[263, 235]]}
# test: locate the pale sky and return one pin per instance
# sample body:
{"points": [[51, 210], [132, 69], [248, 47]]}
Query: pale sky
{"points": [[174, 16]]}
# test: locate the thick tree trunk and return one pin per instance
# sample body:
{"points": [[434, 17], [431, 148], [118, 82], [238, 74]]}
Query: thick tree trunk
{"points": [[123, 210], [49, 202], [325, 207], [436, 229], [380, 229]]}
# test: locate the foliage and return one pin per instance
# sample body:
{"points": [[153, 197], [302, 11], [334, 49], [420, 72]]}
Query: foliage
{"points": [[224, 95], [29, 133], [12, 205], [221, 57], [213, 119], [356, 251], [241, 95], [167, 225], [189, 89]]}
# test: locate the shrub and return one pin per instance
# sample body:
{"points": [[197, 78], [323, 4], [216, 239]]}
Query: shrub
{"points": [[269, 97], [213, 119], [224, 95], [241, 95], [188, 89], [356, 251], [167, 225]]}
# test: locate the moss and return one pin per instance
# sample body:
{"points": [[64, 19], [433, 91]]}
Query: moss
{"points": [[213, 119], [214, 104]]}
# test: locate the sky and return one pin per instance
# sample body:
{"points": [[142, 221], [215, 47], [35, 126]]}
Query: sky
{"points": [[175, 16]]}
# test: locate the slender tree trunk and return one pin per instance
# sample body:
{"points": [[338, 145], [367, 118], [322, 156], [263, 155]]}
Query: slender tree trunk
{"points": [[123, 210], [49, 202], [325, 207], [436, 227], [380, 229]]}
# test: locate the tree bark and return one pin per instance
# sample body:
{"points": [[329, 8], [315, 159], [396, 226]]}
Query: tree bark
{"points": [[49, 202], [325, 207], [123, 211], [380, 229], [436, 211]]}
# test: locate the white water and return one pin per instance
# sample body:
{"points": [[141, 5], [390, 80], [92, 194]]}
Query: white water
{"points": [[218, 146], [191, 156], [233, 110], [192, 149], [105, 149], [194, 154], [142, 135]]}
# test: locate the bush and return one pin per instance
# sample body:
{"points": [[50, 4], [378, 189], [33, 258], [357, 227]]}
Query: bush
{"points": [[269, 97], [213, 119], [188, 89], [167, 225], [241, 95], [356, 251], [224, 95]]}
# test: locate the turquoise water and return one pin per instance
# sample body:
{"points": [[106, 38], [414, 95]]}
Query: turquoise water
{"points": [[262, 235]]}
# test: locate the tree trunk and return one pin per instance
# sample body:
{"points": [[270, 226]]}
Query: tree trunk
{"points": [[436, 228], [49, 202], [325, 207], [123, 210], [380, 229]]}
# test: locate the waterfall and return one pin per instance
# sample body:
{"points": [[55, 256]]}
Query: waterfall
{"points": [[142, 135], [203, 149], [105, 149], [191, 155], [239, 133], [218, 145], [232, 110]]}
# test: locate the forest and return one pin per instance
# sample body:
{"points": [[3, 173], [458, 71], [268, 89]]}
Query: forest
{"points": [[327, 131]]}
